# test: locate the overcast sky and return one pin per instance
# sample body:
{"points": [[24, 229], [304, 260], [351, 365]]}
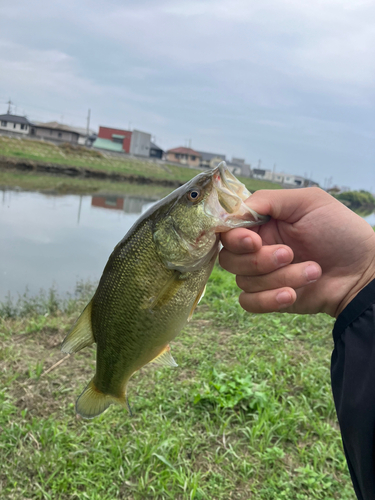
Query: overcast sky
{"points": [[287, 82]]}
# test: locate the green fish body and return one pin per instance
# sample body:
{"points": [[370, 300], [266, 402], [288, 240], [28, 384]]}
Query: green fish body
{"points": [[152, 283]]}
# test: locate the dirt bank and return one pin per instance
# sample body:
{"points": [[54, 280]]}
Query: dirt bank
{"points": [[25, 165]]}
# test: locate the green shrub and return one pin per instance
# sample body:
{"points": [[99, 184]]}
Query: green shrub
{"points": [[355, 199]]}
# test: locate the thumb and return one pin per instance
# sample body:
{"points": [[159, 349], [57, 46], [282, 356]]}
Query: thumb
{"points": [[288, 204]]}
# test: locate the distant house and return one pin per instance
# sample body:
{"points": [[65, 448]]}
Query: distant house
{"points": [[277, 177], [55, 132], [261, 173], [294, 180], [14, 125], [240, 167], [113, 139], [290, 180], [134, 142], [140, 143], [85, 139], [234, 168], [155, 151], [185, 156], [210, 160]]}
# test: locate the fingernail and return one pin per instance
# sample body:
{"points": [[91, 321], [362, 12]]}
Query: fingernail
{"points": [[284, 298], [282, 256], [312, 273], [248, 244]]}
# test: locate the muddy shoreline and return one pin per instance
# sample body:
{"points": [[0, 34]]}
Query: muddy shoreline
{"points": [[31, 166]]}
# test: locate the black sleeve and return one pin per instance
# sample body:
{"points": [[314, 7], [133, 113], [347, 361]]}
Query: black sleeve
{"points": [[353, 387]]}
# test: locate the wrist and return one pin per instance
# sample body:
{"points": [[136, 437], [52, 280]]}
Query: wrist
{"points": [[360, 283]]}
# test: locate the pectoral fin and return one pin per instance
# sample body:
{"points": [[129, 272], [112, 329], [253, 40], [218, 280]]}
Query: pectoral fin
{"points": [[165, 358], [167, 291], [198, 298], [81, 335]]}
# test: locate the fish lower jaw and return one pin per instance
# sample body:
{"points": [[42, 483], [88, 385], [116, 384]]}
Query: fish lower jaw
{"points": [[232, 222]]}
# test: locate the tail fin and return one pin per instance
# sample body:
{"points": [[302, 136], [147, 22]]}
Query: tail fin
{"points": [[93, 402]]}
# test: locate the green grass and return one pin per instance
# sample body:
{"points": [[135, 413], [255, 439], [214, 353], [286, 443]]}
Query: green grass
{"points": [[248, 414], [44, 152]]}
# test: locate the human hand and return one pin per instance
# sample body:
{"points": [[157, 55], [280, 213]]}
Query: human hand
{"points": [[313, 256]]}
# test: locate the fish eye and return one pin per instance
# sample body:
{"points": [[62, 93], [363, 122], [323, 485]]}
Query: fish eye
{"points": [[193, 194]]}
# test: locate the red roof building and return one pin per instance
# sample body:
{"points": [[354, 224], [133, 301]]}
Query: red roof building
{"points": [[185, 156], [116, 136]]}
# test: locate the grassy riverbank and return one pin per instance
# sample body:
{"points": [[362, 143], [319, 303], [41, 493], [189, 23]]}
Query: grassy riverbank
{"points": [[78, 164], [247, 414]]}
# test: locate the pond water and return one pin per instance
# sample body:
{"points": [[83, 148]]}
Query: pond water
{"points": [[49, 240], [370, 219]]}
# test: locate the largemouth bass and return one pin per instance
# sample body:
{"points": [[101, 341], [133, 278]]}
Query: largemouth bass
{"points": [[153, 281]]}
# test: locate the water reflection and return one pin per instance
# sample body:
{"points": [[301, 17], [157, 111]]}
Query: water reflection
{"points": [[50, 240], [110, 202], [129, 204], [370, 218]]}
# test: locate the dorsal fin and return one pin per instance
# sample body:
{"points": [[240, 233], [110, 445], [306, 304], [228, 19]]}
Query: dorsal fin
{"points": [[81, 334]]}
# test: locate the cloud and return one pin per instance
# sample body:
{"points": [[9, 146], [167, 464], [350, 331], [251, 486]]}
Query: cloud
{"points": [[258, 79], [50, 70]]}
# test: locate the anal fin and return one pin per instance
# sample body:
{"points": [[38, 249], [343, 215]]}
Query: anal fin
{"points": [[165, 358], [81, 334]]}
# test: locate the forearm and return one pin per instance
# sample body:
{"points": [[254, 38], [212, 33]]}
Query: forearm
{"points": [[353, 387]]}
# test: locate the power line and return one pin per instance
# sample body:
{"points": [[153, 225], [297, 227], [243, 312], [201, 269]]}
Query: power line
{"points": [[50, 110], [9, 106]]}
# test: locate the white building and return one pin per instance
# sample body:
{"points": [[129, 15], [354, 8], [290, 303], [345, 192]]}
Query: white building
{"points": [[282, 178], [14, 125], [140, 143]]}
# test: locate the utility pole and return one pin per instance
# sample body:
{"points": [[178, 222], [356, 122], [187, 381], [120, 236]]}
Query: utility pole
{"points": [[9, 106], [88, 128]]}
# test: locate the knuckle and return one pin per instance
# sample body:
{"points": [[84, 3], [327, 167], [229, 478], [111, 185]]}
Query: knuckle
{"points": [[254, 262], [263, 302], [246, 283], [240, 281], [283, 279]]}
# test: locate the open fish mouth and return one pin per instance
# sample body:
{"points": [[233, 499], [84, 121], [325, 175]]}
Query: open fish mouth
{"points": [[231, 195], [232, 186]]}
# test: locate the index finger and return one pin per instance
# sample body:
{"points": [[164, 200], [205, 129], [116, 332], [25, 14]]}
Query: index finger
{"points": [[288, 204], [241, 240]]}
